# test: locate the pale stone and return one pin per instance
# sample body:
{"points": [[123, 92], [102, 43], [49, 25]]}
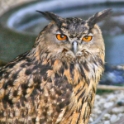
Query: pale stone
{"points": [[114, 118], [117, 110], [97, 97], [101, 102], [91, 119], [97, 111], [107, 116], [108, 104], [106, 122], [111, 97], [120, 115]]}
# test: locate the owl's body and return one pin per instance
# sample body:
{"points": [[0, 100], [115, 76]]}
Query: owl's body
{"points": [[55, 82]]}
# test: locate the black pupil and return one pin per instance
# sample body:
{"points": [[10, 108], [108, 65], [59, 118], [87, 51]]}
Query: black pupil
{"points": [[86, 37]]}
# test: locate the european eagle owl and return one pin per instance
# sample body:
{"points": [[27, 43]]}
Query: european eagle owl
{"points": [[55, 82]]}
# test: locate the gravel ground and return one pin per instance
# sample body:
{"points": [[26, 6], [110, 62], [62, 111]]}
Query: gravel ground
{"points": [[108, 108]]}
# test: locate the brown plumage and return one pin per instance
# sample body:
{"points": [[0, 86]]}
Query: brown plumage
{"points": [[55, 82]]}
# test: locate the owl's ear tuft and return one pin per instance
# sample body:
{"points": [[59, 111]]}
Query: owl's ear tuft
{"points": [[51, 16], [99, 16]]}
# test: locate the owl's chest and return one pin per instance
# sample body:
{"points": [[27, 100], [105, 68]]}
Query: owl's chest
{"points": [[67, 92]]}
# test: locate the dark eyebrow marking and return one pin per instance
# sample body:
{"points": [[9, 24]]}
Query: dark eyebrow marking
{"points": [[59, 31]]}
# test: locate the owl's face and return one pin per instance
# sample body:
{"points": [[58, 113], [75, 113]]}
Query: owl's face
{"points": [[73, 37]]}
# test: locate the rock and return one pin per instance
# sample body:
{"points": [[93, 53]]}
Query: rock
{"points": [[97, 111], [120, 67], [121, 102], [100, 102], [91, 119], [111, 97], [107, 116], [106, 122], [108, 105], [94, 116], [98, 97], [117, 110], [120, 115], [114, 118]]}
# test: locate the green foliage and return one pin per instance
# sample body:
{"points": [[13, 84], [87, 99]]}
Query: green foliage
{"points": [[100, 92]]}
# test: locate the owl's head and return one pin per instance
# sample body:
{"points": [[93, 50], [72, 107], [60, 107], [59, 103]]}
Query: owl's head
{"points": [[73, 38]]}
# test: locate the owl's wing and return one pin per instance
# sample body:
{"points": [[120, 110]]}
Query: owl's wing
{"points": [[28, 93]]}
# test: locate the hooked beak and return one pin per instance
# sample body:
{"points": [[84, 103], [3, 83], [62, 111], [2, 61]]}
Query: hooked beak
{"points": [[74, 46]]}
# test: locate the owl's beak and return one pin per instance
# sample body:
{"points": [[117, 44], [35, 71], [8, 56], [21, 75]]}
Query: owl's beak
{"points": [[74, 46]]}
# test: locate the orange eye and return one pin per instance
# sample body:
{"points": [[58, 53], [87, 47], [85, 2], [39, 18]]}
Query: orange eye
{"points": [[61, 37], [87, 38]]}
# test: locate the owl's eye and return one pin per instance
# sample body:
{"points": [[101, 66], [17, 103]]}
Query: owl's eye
{"points": [[87, 38], [61, 37]]}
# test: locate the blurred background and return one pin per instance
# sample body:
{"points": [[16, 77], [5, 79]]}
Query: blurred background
{"points": [[20, 24]]}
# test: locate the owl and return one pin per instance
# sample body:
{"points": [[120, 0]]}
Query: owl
{"points": [[55, 82]]}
